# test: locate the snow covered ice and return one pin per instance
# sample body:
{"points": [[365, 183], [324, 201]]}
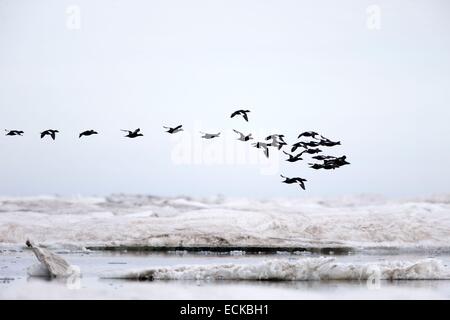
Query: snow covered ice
{"points": [[305, 269], [127, 220]]}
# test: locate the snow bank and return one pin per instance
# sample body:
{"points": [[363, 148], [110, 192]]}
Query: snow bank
{"points": [[307, 269], [124, 220]]}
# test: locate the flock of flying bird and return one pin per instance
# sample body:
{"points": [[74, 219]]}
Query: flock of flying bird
{"points": [[275, 140]]}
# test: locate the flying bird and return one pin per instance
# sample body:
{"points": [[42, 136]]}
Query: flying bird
{"points": [[276, 137], [242, 113], [311, 151], [311, 134], [338, 162], [316, 166], [174, 130], [320, 158], [322, 166], [277, 141], [209, 135], [293, 158], [243, 137], [328, 143], [329, 164], [262, 145], [300, 181], [50, 132], [297, 145], [133, 134], [88, 133], [304, 145], [14, 132]]}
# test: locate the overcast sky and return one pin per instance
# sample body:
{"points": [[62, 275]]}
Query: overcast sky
{"points": [[378, 83]]}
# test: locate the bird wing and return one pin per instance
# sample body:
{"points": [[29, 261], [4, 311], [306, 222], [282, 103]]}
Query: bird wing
{"points": [[266, 151], [178, 127], [136, 131], [245, 116], [240, 134], [43, 134], [302, 185], [287, 154], [53, 135], [235, 113]]}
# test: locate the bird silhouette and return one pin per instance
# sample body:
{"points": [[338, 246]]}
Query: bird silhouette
{"points": [[323, 166], [277, 141], [311, 151], [50, 132], [242, 113], [264, 146], [338, 162], [133, 134], [14, 132], [174, 130], [209, 135], [297, 145], [320, 158], [87, 133], [310, 144], [293, 158], [300, 181], [316, 166], [243, 137], [329, 164], [311, 134]]}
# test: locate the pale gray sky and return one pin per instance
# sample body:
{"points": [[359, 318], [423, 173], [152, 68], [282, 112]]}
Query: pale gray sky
{"points": [[298, 65]]}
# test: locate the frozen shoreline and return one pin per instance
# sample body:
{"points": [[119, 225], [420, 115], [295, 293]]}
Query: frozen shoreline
{"points": [[317, 277], [138, 222]]}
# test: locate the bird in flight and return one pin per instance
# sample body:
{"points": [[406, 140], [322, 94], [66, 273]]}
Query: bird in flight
{"points": [[88, 133], [293, 158], [174, 130], [329, 162], [300, 181], [242, 113], [338, 162], [209, 135], [320, 158], [311, 151], [328, 143], [243, 137], [264, 146], [50, 132], [133, 134], [277, 141], [312, 134], [14, 132]]}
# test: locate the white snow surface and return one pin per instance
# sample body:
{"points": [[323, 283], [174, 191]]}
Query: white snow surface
{"points": [[137, 220], [305, 269]]}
